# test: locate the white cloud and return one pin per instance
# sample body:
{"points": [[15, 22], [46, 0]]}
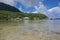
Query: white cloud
{"points": [[26, 3], [54, 12], [20, 8], [55, 9], [29, 3], [41, 9], [35, 12], [51, 13], [10, 2], [59, 4]]}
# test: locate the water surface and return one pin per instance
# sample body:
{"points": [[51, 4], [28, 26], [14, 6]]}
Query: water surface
{"points": [[30, 30]]}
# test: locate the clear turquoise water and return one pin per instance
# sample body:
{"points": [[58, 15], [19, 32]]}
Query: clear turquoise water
{"points": [[24, 27]]}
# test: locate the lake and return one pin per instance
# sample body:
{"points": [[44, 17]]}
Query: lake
{"points": [[30, 30]]}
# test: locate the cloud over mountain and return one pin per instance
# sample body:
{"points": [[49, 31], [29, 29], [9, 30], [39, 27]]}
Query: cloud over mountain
{"points": [[10, 2]]}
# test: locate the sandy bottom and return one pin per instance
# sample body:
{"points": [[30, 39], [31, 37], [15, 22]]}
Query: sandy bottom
{"points": [[13, 33]]}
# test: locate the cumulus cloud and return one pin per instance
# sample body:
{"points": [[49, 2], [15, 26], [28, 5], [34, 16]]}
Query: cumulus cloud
{"points": [[20, 8], [51, 13], [25, 3], [41, 9], [10, 2], [56, 9], [29, 3], [54, 12]]}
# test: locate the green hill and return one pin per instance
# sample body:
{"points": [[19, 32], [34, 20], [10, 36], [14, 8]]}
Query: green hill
{"points": [[8, 12], [35, 15]]}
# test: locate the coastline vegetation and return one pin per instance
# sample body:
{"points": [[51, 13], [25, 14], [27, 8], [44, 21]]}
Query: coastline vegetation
{"points": [[7, 15]]}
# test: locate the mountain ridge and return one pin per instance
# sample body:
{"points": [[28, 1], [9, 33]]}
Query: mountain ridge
{"points": [[7, 7]]}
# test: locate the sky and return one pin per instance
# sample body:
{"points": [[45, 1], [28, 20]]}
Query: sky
{"points": [[50, 8]]}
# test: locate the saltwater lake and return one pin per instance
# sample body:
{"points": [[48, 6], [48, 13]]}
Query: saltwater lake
{"points": [[30, 30]]}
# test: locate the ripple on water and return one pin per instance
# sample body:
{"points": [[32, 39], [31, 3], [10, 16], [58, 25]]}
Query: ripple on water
{"points": [[30, 31]]}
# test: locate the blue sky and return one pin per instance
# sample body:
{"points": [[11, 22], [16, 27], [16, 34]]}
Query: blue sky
{"points": [[48, 4], [50, 8], [51, 3]]}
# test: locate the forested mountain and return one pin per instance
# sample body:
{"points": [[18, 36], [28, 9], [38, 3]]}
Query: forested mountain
{"points": [[7, 7]]}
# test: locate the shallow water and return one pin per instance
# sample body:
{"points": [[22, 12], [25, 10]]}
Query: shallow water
{"points": [[30, 30]]}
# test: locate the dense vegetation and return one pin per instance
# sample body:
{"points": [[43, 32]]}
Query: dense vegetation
{"points": [[7, 7], [8, 12], [8, 15], [36, 15]]}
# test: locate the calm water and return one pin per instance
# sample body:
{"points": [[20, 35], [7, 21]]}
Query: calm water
{"points": [[30, 30]]}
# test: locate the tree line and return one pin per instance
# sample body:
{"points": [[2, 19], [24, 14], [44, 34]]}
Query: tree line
{"points": [[5, 15]]}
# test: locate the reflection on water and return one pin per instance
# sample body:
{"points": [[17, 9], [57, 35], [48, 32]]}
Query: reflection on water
{"points": [[30, 30]]}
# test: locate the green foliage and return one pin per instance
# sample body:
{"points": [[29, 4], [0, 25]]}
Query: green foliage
{"points": [[8, 14], [5, 15], [32, 15]]}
